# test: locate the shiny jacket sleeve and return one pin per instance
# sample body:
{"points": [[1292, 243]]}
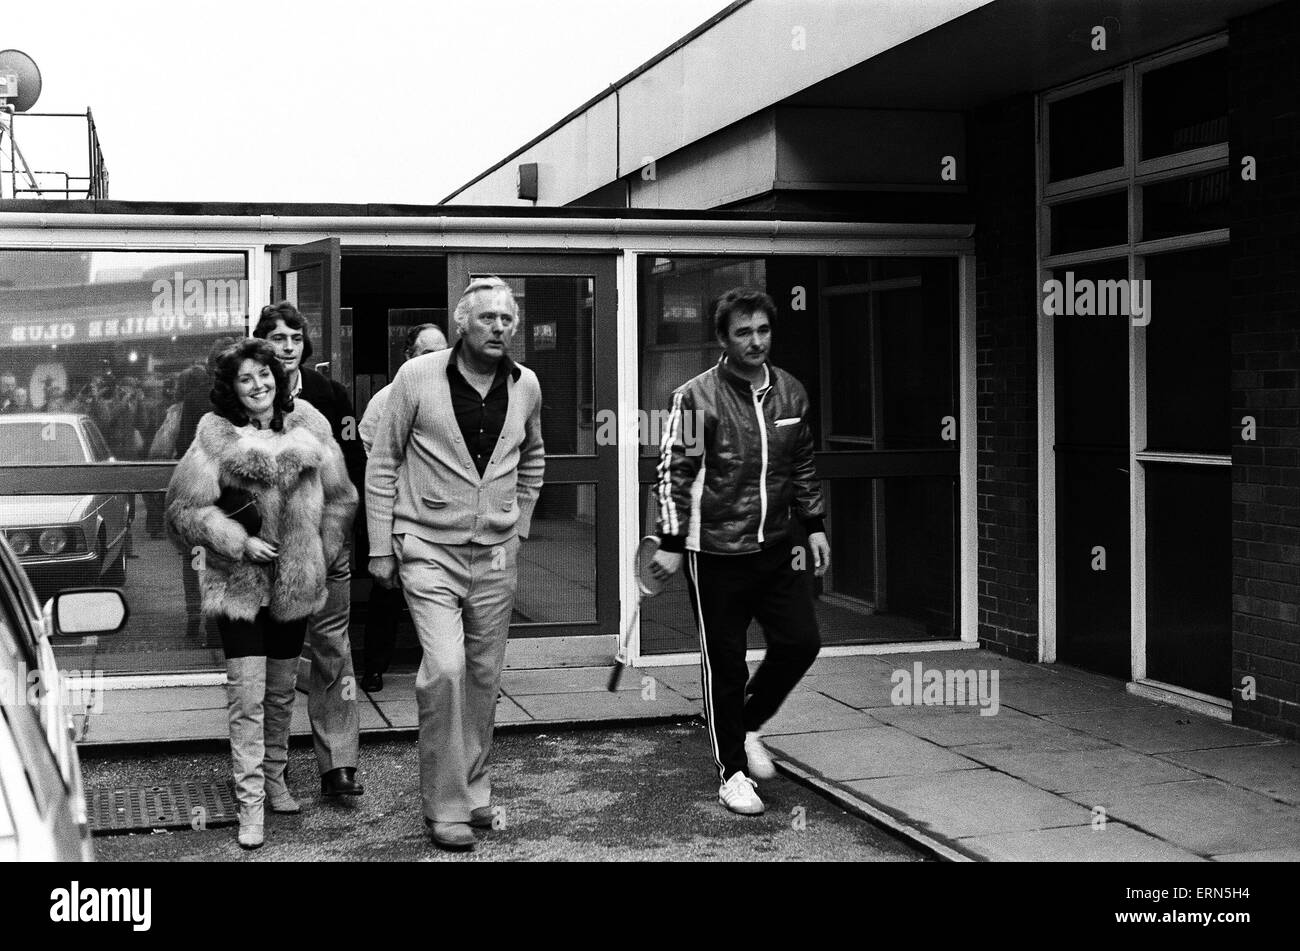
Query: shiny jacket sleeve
{"points": [[677, 471]]}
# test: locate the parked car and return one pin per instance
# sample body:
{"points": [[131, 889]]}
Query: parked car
{"points": [[42, 802], [63, 540]]}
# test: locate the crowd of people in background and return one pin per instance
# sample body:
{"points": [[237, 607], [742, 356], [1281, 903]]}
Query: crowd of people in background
{"points": [[140, 417]]}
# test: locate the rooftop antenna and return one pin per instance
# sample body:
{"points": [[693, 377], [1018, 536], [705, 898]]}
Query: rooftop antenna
{"points": [[20, 87]]}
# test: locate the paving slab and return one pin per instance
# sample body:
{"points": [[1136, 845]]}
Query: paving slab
{"points": [[965, 660], [1041, 696], [961, 726], [565, 680], [1159, 728], [868, 753], [155, 699], [684, 680], [848, 667], [1205, 816], [157, 727], [1110, 767], [1113, 843], [805, 711], [1272, 769], [865, 690], [603, 705], [972, 802], [401, 713]]}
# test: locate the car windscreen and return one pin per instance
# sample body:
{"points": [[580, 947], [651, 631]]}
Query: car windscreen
{"points": [[39, 443]]}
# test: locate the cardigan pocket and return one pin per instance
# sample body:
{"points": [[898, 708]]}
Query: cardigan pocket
{"points": [[433, 503]]}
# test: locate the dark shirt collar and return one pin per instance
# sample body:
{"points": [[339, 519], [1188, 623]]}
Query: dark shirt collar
{"points": [[506, 364]]}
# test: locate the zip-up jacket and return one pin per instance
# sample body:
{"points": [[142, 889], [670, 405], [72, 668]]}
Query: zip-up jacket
{"points": [[736, 464]]}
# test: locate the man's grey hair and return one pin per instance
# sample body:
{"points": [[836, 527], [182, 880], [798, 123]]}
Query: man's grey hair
{"points": [[461, 314]]}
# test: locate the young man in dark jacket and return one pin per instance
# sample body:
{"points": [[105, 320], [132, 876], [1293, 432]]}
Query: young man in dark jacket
{"points": [[737, 494], [332, 697]]}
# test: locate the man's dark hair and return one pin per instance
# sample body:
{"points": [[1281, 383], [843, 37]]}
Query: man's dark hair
{"points": [[292, 319], [225, 401], [740, 300], [413, 335]]}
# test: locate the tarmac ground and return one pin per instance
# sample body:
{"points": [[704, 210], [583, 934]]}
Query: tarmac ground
{"points": [[626, 794]]}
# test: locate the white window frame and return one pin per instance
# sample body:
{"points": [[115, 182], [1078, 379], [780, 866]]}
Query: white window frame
{"points": [[1131, 176]]}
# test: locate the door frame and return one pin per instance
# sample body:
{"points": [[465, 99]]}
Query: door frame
{"points": [[599, 469], [1132, 176]]}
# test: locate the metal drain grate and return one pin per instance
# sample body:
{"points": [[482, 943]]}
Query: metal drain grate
{"points": [[192, 805]]}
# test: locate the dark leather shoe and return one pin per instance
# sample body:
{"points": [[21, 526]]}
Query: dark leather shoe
{"points": [[341, 782], [372, 683], [452, 836], [481, 818]]}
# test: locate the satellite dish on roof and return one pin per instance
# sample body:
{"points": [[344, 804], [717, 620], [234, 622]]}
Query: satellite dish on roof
{"points": [[20, 80]]}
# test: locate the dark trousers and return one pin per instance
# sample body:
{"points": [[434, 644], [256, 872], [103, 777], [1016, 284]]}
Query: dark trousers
{"points": [[384, 613], [727, 593], [263, 636]]}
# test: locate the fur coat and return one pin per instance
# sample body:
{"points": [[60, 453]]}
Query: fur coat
{"points": [[305, 497]]}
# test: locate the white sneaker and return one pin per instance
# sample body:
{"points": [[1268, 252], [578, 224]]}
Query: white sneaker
{"points": [[739, 795], [759, 761]]}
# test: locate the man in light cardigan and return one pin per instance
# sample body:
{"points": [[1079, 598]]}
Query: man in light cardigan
{"points": [[451, 484]]}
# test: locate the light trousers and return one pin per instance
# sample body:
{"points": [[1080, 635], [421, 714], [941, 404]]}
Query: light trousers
{"points": [[460, 598]]}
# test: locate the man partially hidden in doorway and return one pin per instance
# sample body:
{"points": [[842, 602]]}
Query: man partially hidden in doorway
{"points": [[332, 694], [451, 484], [386, 603], [739, 511]]}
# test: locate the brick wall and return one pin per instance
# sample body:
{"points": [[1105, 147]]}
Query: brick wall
{"points": [[1002, 179], [1264, 56]]}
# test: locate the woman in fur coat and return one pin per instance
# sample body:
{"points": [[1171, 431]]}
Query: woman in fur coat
{"points": [[260, 448]]}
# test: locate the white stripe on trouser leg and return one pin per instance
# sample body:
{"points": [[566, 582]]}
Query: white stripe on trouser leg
{"points": [[706, 669]]}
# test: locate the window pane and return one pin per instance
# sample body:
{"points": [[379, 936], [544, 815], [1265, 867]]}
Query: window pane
{"points": [[677, 339], [1099, 222], [557, 567], [893, 557], [100, 338], [1189, 577], [1087, 133], [1185, 206], [1185, 106], [1092, 368], [1188, 392], [118, 540], [554, 338]]}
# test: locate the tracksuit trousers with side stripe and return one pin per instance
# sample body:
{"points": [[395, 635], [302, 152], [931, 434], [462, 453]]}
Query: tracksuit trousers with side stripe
{"points": [[727, 593]]}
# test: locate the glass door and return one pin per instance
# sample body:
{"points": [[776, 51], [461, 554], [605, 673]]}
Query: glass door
{"points": [[568, 570], [307, 276]]}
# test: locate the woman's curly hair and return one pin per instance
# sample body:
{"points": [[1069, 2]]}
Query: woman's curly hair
{"points": [[226, 402]]}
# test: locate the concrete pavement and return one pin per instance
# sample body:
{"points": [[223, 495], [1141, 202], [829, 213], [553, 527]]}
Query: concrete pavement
{"points": [[1070, 767]]}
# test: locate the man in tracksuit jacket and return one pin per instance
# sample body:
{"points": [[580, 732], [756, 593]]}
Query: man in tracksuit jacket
{"points": [[744, 506]]}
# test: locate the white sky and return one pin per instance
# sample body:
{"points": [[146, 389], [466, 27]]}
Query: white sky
{"points": [[285, 100]]}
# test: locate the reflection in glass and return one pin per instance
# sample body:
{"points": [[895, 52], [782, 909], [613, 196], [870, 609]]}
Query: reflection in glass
{"points": [[1087, 133], [1185, 106], [104, 335], [1098, 222], [557, 564], [885, 585], [554, 338]]}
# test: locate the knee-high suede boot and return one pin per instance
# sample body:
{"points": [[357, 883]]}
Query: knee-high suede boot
{"points": [[245, 694], [281, 677]]}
